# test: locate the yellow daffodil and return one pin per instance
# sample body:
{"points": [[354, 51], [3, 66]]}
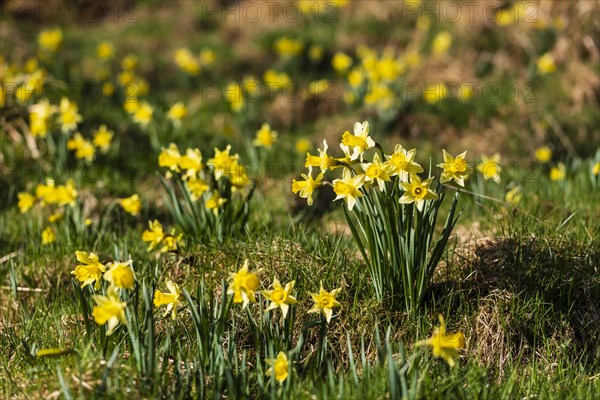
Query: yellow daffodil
{"points": [[129, 62], [455, 168], [279, 367], [48, 236], [131, 204], [288, 47], [402, 163], [322, 161], [171, 299], [490, 168], [69, 115], [265, 137], [238, 177], [177, 112], [596, 169], [154, 235], [59, 195], [215, 202], [143, 114], [558, 172], [197, 187], [444, 345], [276, 80], [377, 172], [39, 118], [120, 274], [513, 196], [348, 188], [50, 40], [357, 143], [102, 138], [242, 285], [109, 310], [341, 62], [222, 161], [302, 145], [546, 64], [441, 43], [306, 187], [84, 149], [170, 157], [26, 201], [417, 191], [543, 154], [191, 163], [280, 296], [325, 302], [356, 77], [186, 61], [90, 270], [105, 50]]}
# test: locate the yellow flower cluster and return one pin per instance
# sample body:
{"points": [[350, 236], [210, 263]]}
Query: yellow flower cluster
{"points": [[109, 308], [288, 47], [243, 285], [373, 76], [190, 64], [358, 175], [159, 240], [49, 194], [200, 179]]}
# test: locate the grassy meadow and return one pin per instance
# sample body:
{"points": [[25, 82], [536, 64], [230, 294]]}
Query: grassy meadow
{"points": [[300, 199]]}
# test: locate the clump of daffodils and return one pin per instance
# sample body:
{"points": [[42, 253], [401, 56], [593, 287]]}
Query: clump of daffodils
{"points": [[211, 197], [391, 207]]}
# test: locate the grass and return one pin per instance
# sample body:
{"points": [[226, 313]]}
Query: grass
{"points": [[520, 281]]}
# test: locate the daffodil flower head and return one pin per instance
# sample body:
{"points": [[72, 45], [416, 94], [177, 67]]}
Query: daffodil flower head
{"points": [[279, 367], [170, 157], [417, 191], [242, 285], [120, 274], [455, 168], [377, 172], [558, 172], [444, 345], [402, 163], [48, 236], [322, 161], [90, 270], [306, 187], [154, 235], [265, 137], [222, 161], [280, 296], [490, 168], [170, 299], [131, 205], [355, 145], [109, 310], [348, 188], [191, 163], [325, 302], [26, 201], [102, 138]]}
